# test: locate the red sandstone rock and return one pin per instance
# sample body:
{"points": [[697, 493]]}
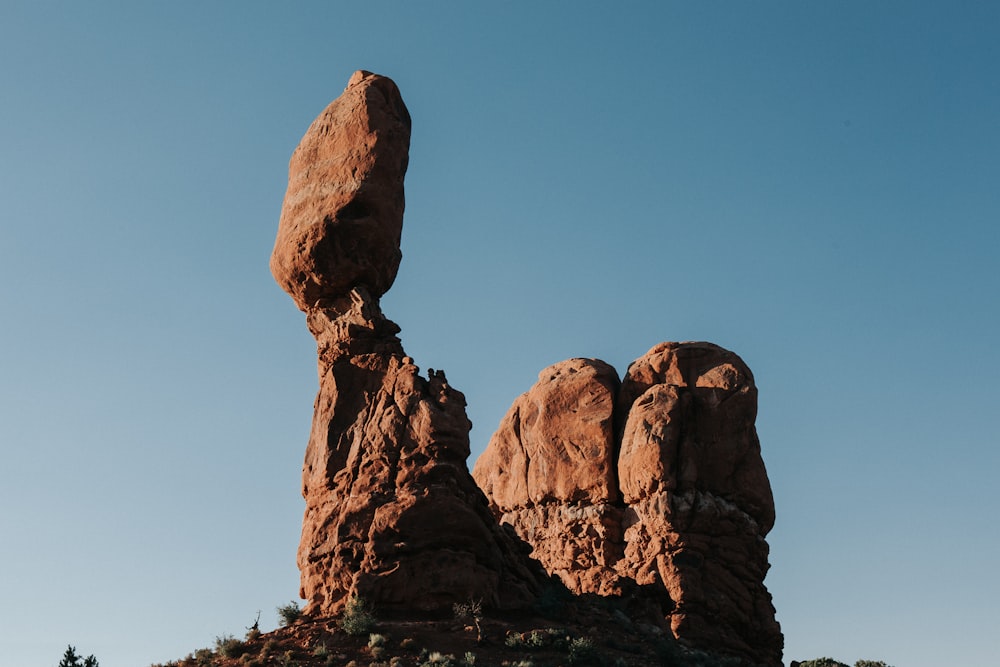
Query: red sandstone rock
{"points": [[343, 211], [687, 504], [392, 513], [549, 471], [556, 442], [654, 485], [699, 501]]}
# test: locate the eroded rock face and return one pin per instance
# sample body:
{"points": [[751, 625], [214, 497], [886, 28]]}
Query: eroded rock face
{"points": [[549, 472], [663, 488], [392, 513]]}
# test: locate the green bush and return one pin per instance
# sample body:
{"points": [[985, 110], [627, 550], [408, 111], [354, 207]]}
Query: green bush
{"points": [[581, 651], [228, 646], [289, 613], [358, 618], [870, 663], [537, 639], [822, 662]]}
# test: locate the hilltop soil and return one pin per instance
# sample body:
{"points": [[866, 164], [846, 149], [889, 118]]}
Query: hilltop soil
{"points": [[585, 630]]}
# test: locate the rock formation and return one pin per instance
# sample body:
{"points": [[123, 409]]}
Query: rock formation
{"points": [[392, 513], [652, 487], [655, 483]]}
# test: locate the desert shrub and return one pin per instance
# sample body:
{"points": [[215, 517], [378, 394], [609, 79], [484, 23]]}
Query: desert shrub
{"points": [[358, 618], [471, 610], [537, 639], [289, 613], [581, 651], [514, 640], [822, 662], [203, 654], [469, 659], [871, 663], [407, 643], [228, 646], [375, 639], [436, 659]]}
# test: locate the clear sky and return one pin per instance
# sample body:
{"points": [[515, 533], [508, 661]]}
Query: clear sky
{"points": [[813, 185]]}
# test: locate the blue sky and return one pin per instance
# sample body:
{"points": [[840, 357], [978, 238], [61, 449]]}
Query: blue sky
{"points": [[810, 184]]}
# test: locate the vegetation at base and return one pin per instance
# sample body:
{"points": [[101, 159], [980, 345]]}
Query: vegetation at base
{"points": [[289, 613], [599, 634], [358, 618], [471, 611], [581, 651], [228, 646], [71, 659]]}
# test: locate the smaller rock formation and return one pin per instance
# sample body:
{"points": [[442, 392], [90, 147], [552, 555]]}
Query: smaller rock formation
{"points": [[656, 483], [550, 472], [392, 513]]}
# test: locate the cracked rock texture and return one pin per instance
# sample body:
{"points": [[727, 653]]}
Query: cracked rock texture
{"points": [[392, 513], [655, 483]]}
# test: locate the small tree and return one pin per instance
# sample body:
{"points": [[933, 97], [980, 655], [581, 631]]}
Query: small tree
{"points": [[71, 659]]}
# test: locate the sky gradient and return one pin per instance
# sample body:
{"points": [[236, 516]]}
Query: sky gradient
{"points": [[813, 185]]}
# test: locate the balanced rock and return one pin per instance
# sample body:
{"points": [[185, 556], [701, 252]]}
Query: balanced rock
{"points": [[655, 485], [343, 212], [392, 513]]}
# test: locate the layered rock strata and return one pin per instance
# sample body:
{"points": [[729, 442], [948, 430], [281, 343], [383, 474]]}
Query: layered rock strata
{"points": [[656, 483], [392, 513]]}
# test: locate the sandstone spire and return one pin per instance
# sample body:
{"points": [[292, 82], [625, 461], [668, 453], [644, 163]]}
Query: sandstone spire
{"points": [[392, 513]]}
